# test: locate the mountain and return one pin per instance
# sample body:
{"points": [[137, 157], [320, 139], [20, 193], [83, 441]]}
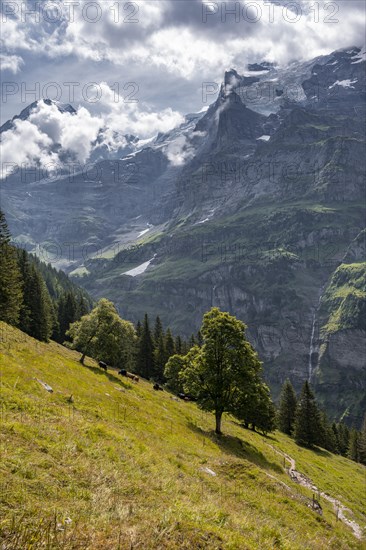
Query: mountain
{"points": [[255, 206], [125, 466], [25, 114]]}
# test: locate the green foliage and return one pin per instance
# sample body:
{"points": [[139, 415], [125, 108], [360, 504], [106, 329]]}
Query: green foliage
{"points": [[175, 365], [345, 298], [354, 443], [11, 291], [287, 408], [257, 408], [145, 351], [103, 335], [307, 427], [169, 344], [362, 442], [222, 374]]}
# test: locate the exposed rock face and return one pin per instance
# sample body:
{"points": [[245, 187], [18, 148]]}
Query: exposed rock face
{"points": [[253, 206]]}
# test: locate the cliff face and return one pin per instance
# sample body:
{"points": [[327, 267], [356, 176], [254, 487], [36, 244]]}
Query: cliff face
{"points": [[340, 374]]}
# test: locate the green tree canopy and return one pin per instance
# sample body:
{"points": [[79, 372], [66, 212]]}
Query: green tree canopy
{"points": [[103, 335], [307, 427], [11, 288], [287, 408], [224, 368]]}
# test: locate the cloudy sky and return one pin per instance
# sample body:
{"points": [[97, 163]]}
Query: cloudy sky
{"points": [[142, 63]]}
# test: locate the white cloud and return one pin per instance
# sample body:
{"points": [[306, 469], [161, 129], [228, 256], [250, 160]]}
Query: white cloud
{"points": [[25, 144], [11, 63]]}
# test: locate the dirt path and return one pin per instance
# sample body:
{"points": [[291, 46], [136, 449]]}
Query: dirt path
{"points": [[339, 508]]}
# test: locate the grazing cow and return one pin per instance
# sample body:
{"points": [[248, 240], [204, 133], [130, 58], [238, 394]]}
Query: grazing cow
{"points": [[157, 387], [103, 365], [133, 377]]}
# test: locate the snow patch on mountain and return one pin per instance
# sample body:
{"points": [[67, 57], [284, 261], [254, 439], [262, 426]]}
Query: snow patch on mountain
{"points": [[139, 269], [344, 83]]}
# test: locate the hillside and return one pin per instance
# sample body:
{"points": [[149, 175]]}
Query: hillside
{"points": [[125, 467], [250, 206]]}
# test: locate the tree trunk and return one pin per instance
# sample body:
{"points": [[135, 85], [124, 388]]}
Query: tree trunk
{"points": [[81, 360], [218, 415]]}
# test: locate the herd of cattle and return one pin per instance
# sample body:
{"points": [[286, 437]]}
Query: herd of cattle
{"points": [[131, 376]]}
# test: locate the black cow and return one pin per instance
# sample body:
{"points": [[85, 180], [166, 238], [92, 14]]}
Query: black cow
{"points": [[103, 365], [122, 372], [157, 387]]}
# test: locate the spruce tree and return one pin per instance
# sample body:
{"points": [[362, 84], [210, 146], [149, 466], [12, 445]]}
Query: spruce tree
{"points": [[25, 312], [326, 433], [158, 330], [145, 351], [178, 345], [159, 358], [362, 442], [353, 448], [287, 408], [11, 287], [343, 438], [67, 314], [307, 419], [336, 437], [169, 345], [40, 305]]}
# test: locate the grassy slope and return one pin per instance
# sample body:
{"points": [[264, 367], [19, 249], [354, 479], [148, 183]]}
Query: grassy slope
{"points": [[124, 463]]}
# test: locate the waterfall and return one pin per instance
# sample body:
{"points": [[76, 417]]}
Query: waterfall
{"points": [[311, 350], [313, 339]]}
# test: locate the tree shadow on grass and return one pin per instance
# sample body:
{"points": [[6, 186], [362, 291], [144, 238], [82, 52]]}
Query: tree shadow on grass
{"points": [[321, 452], [111, 378], [237, 447]]}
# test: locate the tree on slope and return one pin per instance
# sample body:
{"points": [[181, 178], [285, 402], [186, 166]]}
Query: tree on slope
{"points": [[223, 367], [169, 344], [287, 408], [145, 351], [38, 304], [362, 442], [256, 407], [354, 446], [307, 419], [103, 335], [11, 291]]}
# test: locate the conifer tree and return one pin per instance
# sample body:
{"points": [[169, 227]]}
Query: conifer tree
{"points": [[287, 408], [145, 352], [159, 358], [138, 329], [343, 438], [169, 345], [307, 419], [178, 345], [327, 437], [158, 330], [353, 448], [81, 307], [25, 312], [362, 442], [67, 314], [192, 341], [11, 288], [336, 437], [40, 306]]}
